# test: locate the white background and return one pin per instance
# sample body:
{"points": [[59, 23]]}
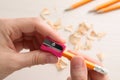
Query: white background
{"points": [[108, 22]]}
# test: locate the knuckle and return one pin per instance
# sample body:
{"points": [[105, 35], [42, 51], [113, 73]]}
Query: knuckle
{"points": [[35, 59], [38, 59], [15, 63]]}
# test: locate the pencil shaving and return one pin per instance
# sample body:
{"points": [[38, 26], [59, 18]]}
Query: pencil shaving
{"points": [[76, 38], [57, 25], [94, 35], [45, 11], [101, 35], [83, 38], [42, 16], [83, 28], [61, 64], [100, 56], [77, 47], [50, 23], [69, 28], [58, 22], [73, 39], [88, 45]]}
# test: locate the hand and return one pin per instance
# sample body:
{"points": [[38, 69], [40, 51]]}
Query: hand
{"points": [[19, 33], [79, 70]]}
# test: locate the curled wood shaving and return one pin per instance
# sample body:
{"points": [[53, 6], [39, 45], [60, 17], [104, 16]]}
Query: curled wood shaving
{"points": [[43, 17], [45, 11], [82, 38], [101, 35], [83, 46], [58, 22], [94, 35], [83, 28], [90, 37], [69, 28], [88, 45], [50, 23], [74, 38], [57, 25], [100, 56], [77, 47], [97, 35], [61, 64], [77, 35]]}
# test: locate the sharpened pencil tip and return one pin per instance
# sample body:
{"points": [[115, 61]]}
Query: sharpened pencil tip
{"points": [[91, 11], [68, 9], [99, 12]]}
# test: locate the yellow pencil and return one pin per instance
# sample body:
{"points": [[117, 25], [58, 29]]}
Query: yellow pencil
{"points": [[111, 8], [89, 64], [76, 5], [106, 4]]}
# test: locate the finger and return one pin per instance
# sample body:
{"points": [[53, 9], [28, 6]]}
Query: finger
{"points": [[39, 38], [25, 44], [36, 44], [29, 25], [46, 30], [18, 46], [69, 78], [78, 69], [34, 58], [91, 72], [97, 76], [28, 44]]}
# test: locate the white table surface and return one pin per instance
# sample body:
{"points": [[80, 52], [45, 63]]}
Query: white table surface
{"points": [[108, 22]]}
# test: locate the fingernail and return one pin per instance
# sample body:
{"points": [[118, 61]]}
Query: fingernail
{"points": [[63, 40], [78, 62], [52, 59], [78, 69]]}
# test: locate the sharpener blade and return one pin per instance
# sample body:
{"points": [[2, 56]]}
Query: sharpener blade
{"points": [[53, 47]]}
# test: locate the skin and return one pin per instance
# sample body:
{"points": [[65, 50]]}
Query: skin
{"points": [[79, 70], [19, 33]]}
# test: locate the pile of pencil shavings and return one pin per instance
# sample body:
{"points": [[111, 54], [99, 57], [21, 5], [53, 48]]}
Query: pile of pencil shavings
{"points": [[84, 36], [81, 39]]}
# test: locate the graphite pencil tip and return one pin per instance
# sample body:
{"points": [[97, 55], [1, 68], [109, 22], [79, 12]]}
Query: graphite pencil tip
{"points": [[68, 9], [91, 11], [99, 12]]}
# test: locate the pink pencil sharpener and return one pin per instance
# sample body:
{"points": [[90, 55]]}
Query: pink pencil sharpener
{"points": [[49, 45]]}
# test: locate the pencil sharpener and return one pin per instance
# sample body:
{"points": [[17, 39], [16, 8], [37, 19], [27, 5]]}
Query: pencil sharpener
{"points": [[49, 45]]}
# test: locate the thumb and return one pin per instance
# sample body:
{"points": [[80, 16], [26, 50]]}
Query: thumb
{"points": [[78, 69], [35, 57]]}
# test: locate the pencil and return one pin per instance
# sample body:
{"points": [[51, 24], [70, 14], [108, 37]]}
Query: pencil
{"points": [[59, 50], [89, 64], [76, 5], [108, 9], [106, 4]]}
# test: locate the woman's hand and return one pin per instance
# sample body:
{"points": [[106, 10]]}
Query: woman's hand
{"points": [[19, 33], [79, 70]]}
